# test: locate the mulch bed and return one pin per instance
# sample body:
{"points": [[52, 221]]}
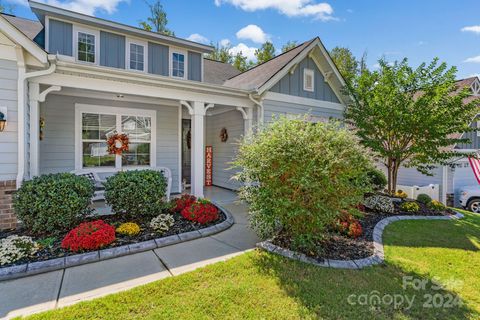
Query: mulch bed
{"points": [[341, 247], [181, 225]]}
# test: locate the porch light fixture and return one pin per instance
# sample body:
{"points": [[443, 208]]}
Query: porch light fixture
{"points": [[3, 118], [120, 96]]}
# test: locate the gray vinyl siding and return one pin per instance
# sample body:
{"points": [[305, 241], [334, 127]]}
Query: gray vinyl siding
{"points": [[60, 37], [292, 84], [57, 150], [158, 59], [224, 152], [112, 50], [276, 108], [9, 137], [194, 66], [474, 140]]}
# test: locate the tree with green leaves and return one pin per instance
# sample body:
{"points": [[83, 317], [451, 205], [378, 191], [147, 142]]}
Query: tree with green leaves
{"points": [[240, 62], [157, 21], [289, 46], [348, 65], [221, 53], [410, 116], [265, 52]]}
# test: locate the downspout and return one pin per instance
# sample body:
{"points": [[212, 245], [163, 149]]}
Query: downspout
{"points": [[23, 76], [259, 103]]}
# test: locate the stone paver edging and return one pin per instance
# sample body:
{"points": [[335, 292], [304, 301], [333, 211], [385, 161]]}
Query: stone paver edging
{"points": [[377, 257], [28, 269]]}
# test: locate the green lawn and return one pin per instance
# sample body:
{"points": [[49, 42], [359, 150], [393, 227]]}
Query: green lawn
{"points": [[259, 285]]}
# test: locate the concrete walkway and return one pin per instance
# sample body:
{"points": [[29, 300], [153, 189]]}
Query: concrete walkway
{"points": [[65, 287]]}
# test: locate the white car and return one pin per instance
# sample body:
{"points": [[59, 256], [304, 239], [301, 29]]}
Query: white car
{"points": [[470, 198]]}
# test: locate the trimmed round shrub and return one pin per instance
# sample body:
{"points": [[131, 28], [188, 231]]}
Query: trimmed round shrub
{"points": [[89, 236], [162, 223], [128, 229], [201, 211], [377, 179], [410, 206], [137, 193], [53, 203], [424, 198], [298, 177], [14, 248]]}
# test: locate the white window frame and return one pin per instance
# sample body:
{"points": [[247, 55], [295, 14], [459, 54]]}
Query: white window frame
{"points": [[96, 33], [119, 112], [144, 44], [306, 73], [185, 64]]}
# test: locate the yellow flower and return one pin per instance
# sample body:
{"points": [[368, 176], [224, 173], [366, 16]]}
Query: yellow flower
{"points": [[128, 229]]}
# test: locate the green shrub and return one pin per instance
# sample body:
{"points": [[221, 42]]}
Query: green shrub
{"points": [[136, 193], [424, 198], [410, 206], [377, 179], [53, 203], [298, 177], [436, 205]]}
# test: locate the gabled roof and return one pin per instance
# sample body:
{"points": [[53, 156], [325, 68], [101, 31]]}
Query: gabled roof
{"points": [[28, 27], [256, 77], [217, 72]]}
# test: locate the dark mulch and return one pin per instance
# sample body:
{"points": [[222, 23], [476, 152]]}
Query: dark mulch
{"points": [[340, 247], [55, 251]]}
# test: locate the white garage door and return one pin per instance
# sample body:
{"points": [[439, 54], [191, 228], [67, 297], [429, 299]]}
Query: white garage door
{"points": [[463, 177]]}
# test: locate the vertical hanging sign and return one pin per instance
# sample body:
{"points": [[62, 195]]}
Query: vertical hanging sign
{"points": [[208, 166]]}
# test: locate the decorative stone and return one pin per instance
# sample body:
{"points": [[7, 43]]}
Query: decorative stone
{"points": [[81, 258], [12, 272], [190, 235], [47, 265], [166, 241], [142, 246], [205, 232], [342, 264], [224, 225], [366, 262], [114, 252]]}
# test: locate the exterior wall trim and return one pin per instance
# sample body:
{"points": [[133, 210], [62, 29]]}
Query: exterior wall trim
{"points": [[304, 101]]}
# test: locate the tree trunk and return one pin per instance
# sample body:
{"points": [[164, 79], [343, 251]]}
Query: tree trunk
{"points": [[393, 165]]}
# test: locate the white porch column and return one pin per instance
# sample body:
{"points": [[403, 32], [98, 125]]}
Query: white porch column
{"points": [[247, 114], [198, 148], [33, 102]]}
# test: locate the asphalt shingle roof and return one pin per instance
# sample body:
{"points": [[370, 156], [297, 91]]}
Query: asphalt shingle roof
{"points": [[217, 72], [28, 27]]}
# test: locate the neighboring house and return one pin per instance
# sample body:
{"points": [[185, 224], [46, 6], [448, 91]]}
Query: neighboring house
{"points": [[458, 174], [68, 80]]}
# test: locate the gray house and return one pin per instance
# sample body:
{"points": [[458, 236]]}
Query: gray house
{"points": [[68, 80]]}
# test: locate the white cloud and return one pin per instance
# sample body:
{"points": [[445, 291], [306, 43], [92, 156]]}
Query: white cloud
{"points": [[247, 51], [473, 59], [81, 6], [254, 33], [197, 38], [291, 8], [225, 43], [474, 29]]}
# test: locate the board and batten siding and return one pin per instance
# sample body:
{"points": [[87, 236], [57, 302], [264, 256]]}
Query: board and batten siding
{"points": [[112, 50], [9, 137], [60, 37], [57, 149], [292, 84], [224, 152], [194, 66], [274, 109], [158, 62]]}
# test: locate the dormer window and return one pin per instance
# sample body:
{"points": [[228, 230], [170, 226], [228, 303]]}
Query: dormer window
{"points": [[136, 55], [178, 65], [86, 47], [308, 80]]}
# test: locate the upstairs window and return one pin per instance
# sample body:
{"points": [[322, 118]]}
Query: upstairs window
{"points": [[137, 57], [308, 80], [178, 65], [86, 47]]}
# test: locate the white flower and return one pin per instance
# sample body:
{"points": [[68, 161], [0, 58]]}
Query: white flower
{"points": [[14, 248], [162, 222]]}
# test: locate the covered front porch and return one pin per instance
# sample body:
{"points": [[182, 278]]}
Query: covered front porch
{"points": [[68, 127]]}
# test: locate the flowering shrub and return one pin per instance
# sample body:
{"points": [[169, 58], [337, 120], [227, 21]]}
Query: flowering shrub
{"points": [[201, 211], [410, 207], [128, 229], [162, 222], [436, 205], [347, 224], [14, 248], [89, 236], [401, 194], [183, 202], [380, 203]]}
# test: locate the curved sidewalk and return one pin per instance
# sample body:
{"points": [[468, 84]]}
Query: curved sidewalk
{"points": [[64, 287]]}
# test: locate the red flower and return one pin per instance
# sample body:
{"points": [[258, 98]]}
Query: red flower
{"points": [[89, 236], [355, 230], [347, 224], [183, 202], [200, 211]]}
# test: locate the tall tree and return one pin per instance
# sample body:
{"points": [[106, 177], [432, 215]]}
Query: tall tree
{"points": [[410, 116], [289, 46], [157, 21], [240, 62], [265, 53], [346, 63], [221, 53]]}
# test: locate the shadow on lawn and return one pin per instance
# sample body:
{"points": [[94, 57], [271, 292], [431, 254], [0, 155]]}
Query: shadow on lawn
{"points": [[380, 292]]}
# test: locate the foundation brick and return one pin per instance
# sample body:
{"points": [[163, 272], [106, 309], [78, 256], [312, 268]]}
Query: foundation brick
{"points": [[8, 220]]}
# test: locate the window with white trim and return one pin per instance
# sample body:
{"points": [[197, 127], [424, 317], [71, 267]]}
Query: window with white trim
{"points": [[308, 80], [98, 123], [137, 57], [86, 47], [178, 65]]}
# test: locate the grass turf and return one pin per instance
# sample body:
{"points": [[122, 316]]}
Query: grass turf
{"points": [[258, 285]]}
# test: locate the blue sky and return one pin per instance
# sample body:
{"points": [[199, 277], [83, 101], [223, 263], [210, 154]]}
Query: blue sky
{"points": [[417, 29]]}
